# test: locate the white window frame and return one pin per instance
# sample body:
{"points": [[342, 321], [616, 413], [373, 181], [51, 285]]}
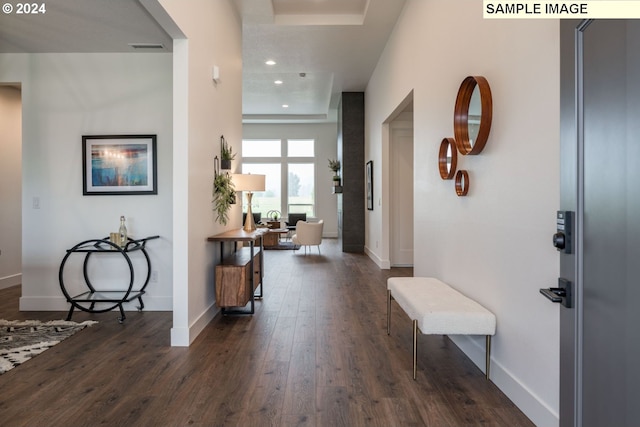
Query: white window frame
{"points": [[284, 161]]}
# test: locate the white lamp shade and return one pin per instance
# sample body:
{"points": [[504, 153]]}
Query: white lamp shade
{"points": [[248, 182]]}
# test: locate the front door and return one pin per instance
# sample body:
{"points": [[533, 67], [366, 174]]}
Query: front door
{"points": [[600, 151]]}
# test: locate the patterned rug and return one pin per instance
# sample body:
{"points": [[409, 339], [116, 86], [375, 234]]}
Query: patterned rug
{"points": [[22, 340]]}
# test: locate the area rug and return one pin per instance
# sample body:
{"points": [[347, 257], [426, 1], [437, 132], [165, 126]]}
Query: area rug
{"points": [[284, 246], [22, 340]]}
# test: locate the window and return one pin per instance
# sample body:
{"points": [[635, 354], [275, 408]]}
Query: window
{"points": [[290, 178], [300, 188], [271, 198], [300, 148], [261, 148]]}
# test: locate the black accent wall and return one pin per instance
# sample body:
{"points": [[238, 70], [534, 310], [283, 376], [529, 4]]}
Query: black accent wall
{"points": [[351, 203]]}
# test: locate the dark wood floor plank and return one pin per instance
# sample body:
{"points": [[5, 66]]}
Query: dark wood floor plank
{"points": [[300, 393], [315, 353], [333, 407], [265, 405]]}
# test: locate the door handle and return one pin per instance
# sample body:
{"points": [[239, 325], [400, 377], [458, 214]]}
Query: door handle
{"points": [[554, 294], [561, 294]]}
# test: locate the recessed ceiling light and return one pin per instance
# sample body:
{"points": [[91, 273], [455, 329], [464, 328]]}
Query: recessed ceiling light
{"points": [[285, 105], [270, 62], [278, 82]]}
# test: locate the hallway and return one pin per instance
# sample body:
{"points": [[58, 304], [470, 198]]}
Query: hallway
{"points": [[316, 353]]}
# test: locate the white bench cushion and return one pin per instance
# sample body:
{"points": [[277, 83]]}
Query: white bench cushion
{"points": [[440, 309]]}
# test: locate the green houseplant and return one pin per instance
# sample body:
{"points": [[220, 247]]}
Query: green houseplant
{"points": [[226, 154], [273, 215], [334, 165], [224, 196]]}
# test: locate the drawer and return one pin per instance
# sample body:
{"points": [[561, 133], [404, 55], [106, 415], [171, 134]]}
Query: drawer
{"points": [[233, 282]]}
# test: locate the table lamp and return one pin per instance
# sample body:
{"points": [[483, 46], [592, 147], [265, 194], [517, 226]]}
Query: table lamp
{"points": [[248, 183]]}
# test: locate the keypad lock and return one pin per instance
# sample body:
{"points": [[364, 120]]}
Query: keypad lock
{"points": [[563, 238]]}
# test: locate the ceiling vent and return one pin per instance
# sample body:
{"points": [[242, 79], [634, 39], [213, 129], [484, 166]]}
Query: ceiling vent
{"points": [[151, 46]]}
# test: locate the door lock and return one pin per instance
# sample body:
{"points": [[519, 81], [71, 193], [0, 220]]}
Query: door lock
{"points": [[562, 240], [559, 241]]}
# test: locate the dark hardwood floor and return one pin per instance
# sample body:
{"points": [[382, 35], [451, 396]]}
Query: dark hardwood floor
{"points": [[316, 353]]}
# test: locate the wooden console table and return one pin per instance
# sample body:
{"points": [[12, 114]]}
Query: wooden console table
{"points": [[239, 275]]}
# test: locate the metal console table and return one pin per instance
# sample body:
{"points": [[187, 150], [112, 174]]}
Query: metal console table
{"points": [[86, 301]]}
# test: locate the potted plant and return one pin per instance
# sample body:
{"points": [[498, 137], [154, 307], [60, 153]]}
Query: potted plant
{"points": [[226, 154], [274, 219], [334, 165], [224, 196]]}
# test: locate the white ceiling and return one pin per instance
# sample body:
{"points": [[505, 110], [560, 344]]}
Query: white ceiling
{"points": [[321, 47], [81, 26]]}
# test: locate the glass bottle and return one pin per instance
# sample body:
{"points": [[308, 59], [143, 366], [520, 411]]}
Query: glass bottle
{"points": [[123, 232]]}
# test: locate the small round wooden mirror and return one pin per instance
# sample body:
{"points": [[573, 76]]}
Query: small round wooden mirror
{"points": [[462, 183], [447, 158], [472, 115]]}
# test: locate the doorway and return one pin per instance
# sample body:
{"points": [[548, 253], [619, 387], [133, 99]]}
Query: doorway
{"points": [[10, 185], [600, 101], [400, 167], [401, 184]]}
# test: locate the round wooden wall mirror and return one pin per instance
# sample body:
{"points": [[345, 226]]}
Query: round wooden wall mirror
{"points": [[462, 183], [447, 158], [472, 115]]}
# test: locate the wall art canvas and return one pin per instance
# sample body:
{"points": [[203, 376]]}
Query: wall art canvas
{"points": [[119, 164]]}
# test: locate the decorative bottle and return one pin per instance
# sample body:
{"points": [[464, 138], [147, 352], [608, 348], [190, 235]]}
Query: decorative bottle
{"points": [[123, 232]]}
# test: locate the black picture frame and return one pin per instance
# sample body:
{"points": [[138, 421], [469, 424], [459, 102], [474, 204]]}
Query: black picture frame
{"points": [[119, 165], [369, 181]]}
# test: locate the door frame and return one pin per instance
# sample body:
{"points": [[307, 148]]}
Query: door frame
{"points": [[403, 107], [573, 195], [401, 127]]}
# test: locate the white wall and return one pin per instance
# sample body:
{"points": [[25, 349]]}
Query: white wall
{"points": [[202, 112], [325, 135], [493, 245], [65, 96], [10, 186]]}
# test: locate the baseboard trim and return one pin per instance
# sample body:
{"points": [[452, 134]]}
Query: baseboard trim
{"points": [[59, 303], [9, 281], [381, 263], [183, 337], [530, 404]]}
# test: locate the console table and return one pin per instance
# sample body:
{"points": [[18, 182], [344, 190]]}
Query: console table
{"points": [[115, 298], [239, 275], [272, 236]]}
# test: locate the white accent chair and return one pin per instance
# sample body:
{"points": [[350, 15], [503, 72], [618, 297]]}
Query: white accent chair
{"points": [[308, 234]]}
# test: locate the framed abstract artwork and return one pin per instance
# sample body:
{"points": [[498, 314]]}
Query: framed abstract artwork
{"points": [[369, 180], [119, 165]]}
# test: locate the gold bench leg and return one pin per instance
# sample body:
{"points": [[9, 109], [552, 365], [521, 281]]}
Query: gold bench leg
{"points": [[488, 355], [415, 348], [388, 312]]}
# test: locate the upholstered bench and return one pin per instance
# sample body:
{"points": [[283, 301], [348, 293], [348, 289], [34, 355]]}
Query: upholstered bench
{"points": [[438, 309]]}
